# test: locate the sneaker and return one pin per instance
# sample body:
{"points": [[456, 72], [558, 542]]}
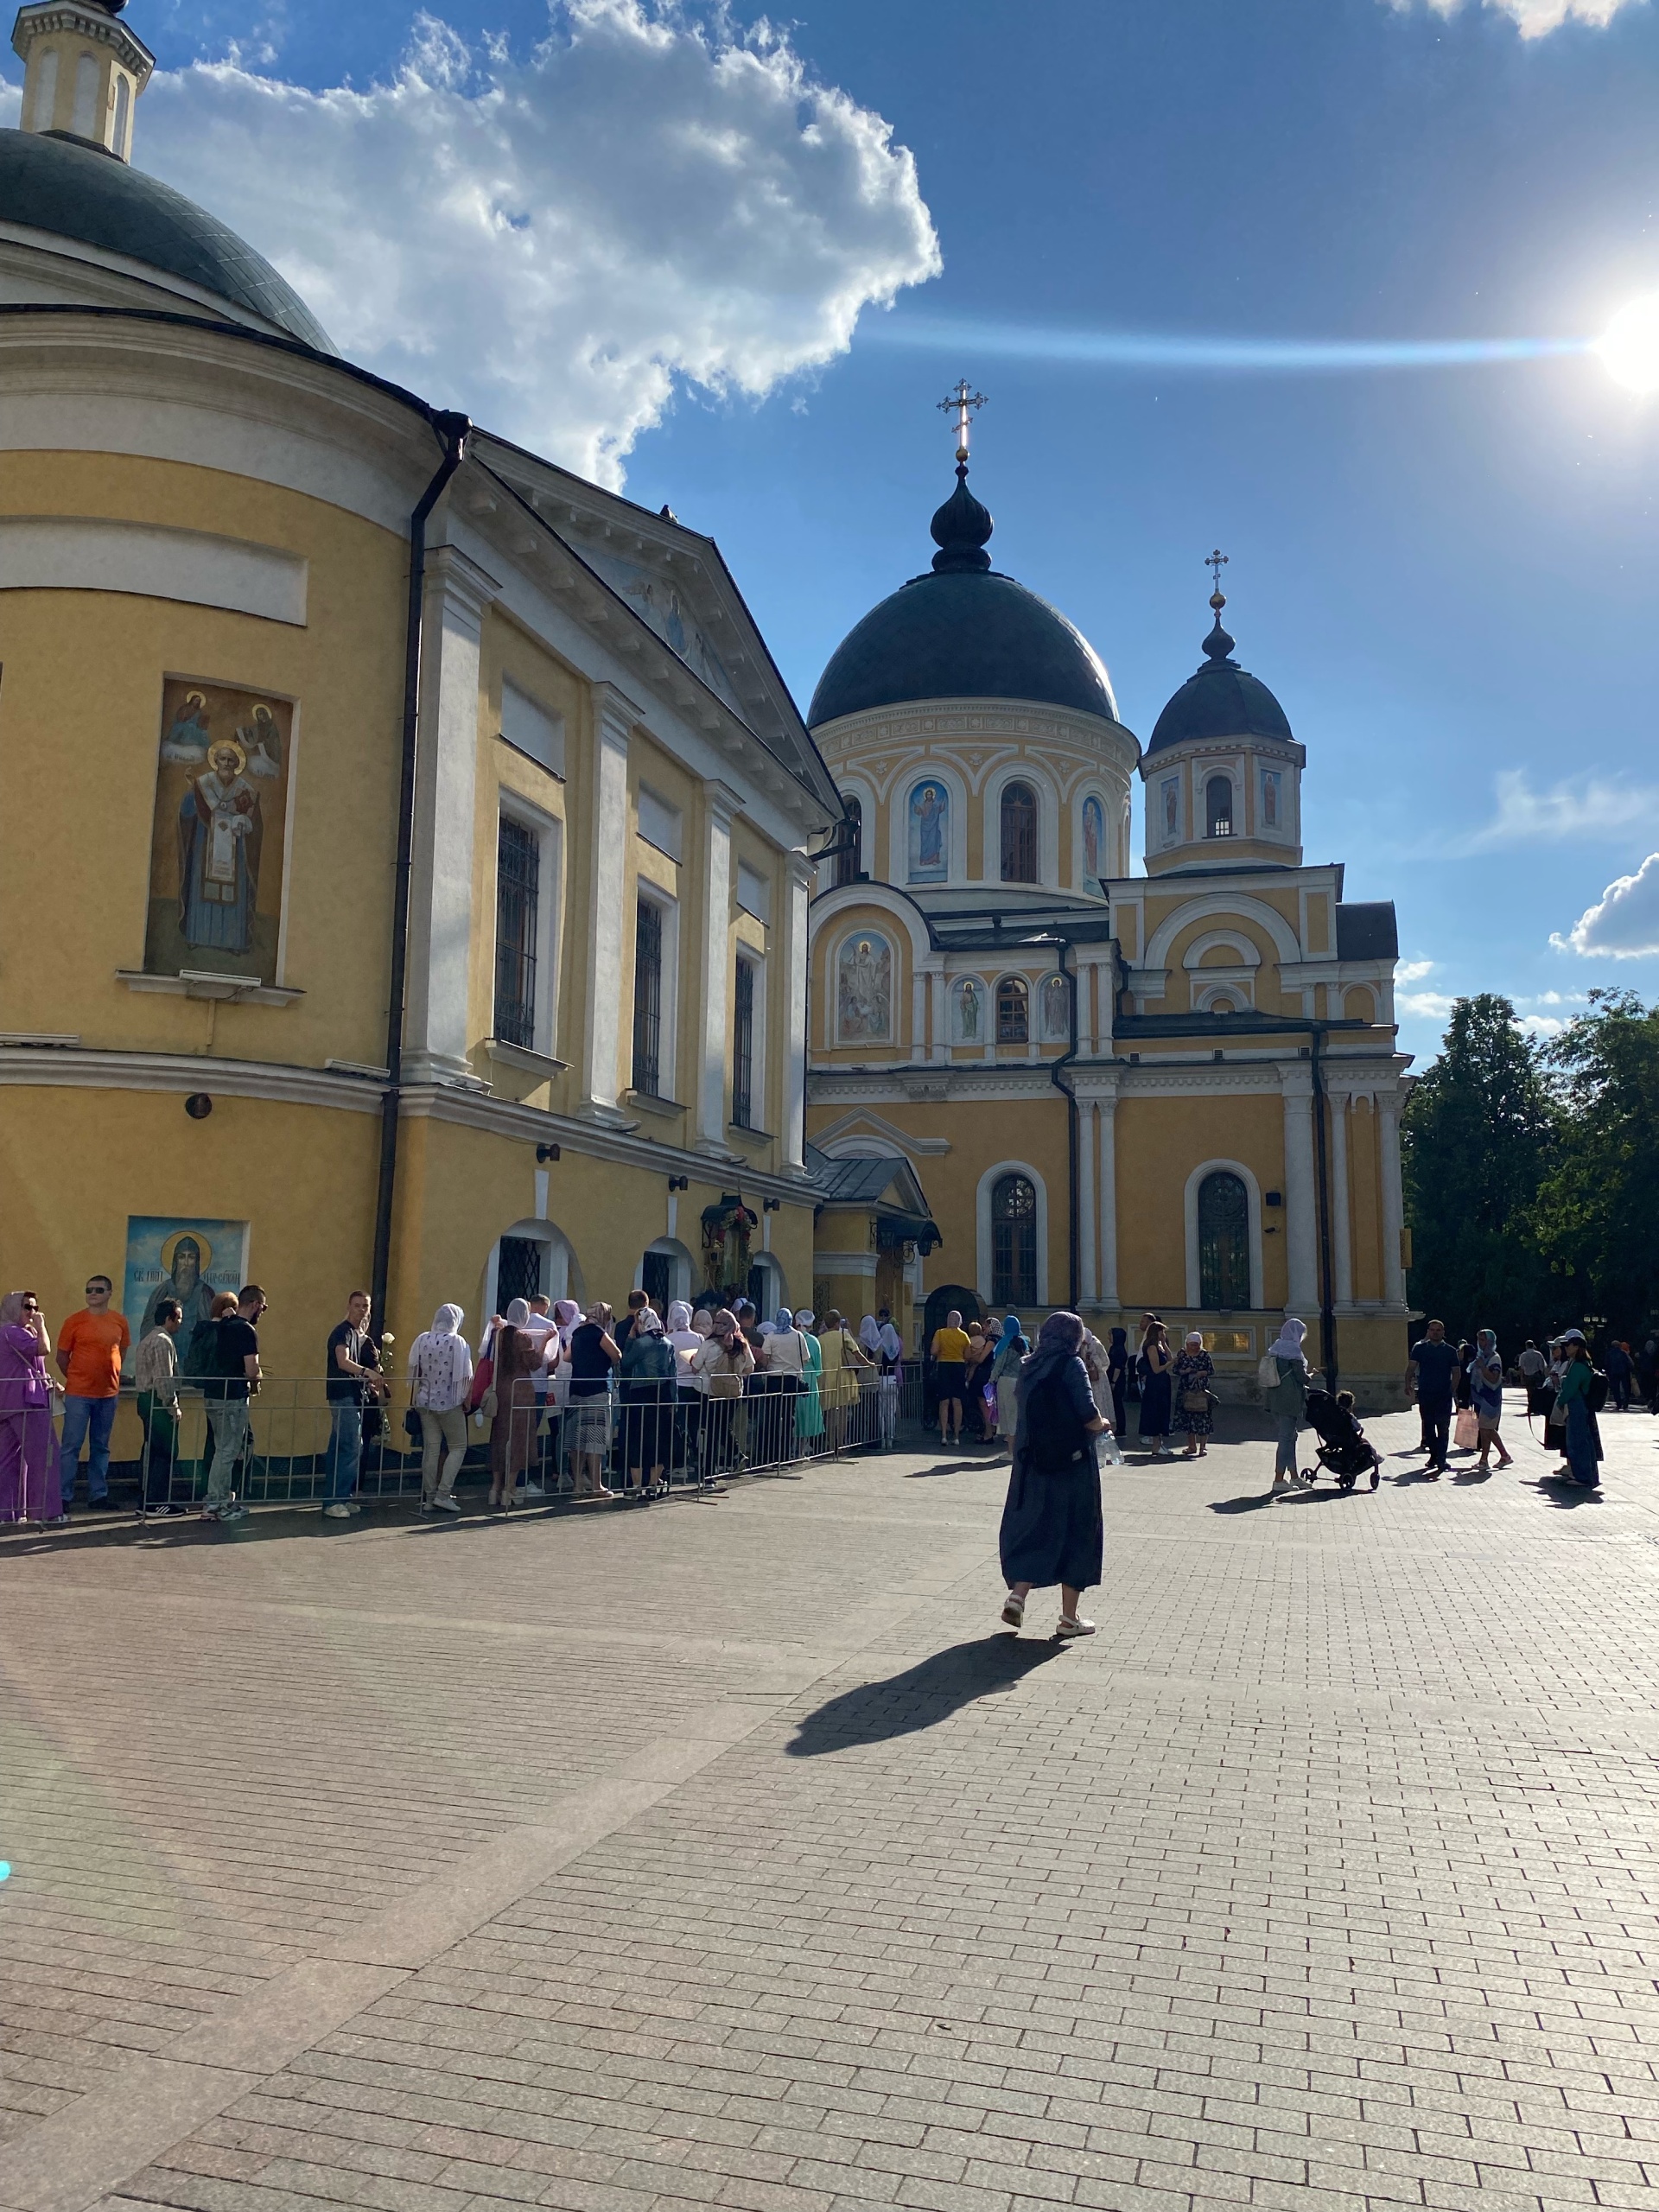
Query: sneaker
{"points": [[443, 1503], [1013, 1612], [534, 1489], [337, 1512], [55, 1520], [234, 1511], [161, 1512], [1285, 1482], [1072, 1627]]}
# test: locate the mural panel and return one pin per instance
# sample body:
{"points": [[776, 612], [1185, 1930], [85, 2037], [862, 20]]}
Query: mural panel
{"points": [[1094, 843], [864, 990], [1057, 1008], [928, 825], [216, 851], [1272, 814], [968, 1004], [193, 1261]]}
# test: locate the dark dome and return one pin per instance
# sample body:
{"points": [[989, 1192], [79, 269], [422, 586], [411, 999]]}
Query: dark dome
{"points": [[78, 192], [1223, 700], [963, 633]]}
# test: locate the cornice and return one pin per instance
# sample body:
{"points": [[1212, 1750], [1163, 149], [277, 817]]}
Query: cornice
{"points": [[81, 1069]]}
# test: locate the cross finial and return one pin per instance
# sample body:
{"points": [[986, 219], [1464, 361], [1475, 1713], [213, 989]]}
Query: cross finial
{"points": [[1215, 562], [964, 404]]}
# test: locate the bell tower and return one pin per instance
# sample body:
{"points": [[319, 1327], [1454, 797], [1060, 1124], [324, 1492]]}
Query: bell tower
{"points": [[83, 71]]}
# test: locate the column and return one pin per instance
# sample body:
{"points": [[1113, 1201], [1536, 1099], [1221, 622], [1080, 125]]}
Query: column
{"points": [[1107, 1258], [721, 806], [918, 1014], [437, 1030], [1341, 1246], [793, 1132], [941, 1049], [1088, 1273], [608, 861], [1301, 1221], [1394, 1210]]}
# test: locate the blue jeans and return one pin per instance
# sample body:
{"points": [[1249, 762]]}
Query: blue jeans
{"points": [[345, 1450], [86, 1419]]}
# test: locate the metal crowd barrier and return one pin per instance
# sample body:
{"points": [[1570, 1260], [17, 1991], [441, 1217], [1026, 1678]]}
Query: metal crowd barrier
{"points": [[658, 1437]]}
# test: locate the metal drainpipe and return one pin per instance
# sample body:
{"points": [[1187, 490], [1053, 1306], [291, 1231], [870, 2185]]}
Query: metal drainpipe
{"points": [[1071, 1098], [1327, 1306], [454, 430]]}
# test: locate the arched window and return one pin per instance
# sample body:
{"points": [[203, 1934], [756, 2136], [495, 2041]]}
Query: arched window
{"points": [[1218, 806], [1223, 1243], [1019, 834], [1013, 1011], [852, 833], [1013, 1241]]}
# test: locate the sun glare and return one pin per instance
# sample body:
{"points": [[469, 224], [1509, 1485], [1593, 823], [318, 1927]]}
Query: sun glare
{"points": [[1631, 348]]}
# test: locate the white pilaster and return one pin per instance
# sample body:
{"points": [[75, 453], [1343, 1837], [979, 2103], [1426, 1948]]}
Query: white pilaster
{"points": [[1341, 1246], [721, 806], [797, 890], [941, 1046], [614, 716], [437, 1024], [918, 1014], [1301, 1225], [1394, 1210], [1088, 1142], [1108, 1253]]}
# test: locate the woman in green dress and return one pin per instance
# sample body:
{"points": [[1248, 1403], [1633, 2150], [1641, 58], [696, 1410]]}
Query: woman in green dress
{"points": [[809, 1407]]}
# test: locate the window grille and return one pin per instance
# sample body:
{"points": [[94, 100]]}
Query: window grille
{"points": [[517, 900], [1013, 1241], [648, 999], [1013, 1011], [743, 1047], [1019, 834], [1218, 806], [1223, 1243]]}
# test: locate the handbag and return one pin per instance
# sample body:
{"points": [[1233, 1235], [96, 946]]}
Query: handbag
{"points": [[1467, 1433], [1195, 1401]]}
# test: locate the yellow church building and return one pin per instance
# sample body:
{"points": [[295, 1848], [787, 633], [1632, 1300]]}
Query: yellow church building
{"points": [[1174, 1092], [402, 845]]}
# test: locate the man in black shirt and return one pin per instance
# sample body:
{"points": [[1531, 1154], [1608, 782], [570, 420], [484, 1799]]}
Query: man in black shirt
{"points": [[353, 1378], [1432, 1379], [233, 1372]]}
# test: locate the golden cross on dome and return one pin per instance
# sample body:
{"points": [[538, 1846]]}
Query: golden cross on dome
{"points": [[964, 405], [1215, 562]]}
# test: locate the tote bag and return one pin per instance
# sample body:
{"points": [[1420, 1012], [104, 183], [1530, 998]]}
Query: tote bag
{"points": [[1467, 1432]]}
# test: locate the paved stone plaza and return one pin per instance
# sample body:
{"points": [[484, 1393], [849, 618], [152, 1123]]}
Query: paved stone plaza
{"points": [[730, 1854]]}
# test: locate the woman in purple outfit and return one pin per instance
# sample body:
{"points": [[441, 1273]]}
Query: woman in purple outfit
{"points": [[29, 1464]]}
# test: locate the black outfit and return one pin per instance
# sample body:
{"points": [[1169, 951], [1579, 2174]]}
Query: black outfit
{"points": [[1438, 1370], [1117, 1378], [1052, 1529]]}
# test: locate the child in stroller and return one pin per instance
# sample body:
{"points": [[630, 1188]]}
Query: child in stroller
{"points": [[1343, 1447]]}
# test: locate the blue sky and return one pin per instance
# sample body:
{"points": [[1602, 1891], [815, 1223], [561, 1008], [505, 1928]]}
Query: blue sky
{"points": [[1445, 573]]}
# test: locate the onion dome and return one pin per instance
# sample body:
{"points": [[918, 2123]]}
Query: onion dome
{"points": [[1223, 700], [962, 631]]}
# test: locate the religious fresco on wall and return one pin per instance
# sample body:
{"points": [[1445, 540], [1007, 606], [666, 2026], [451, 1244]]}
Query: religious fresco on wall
{"points": [[169, 1256], [216, 850], [1057, 1008], [968, 1003], [1172, 806], [660, 600], [928, 824], [1094, 842], [864, 991], [1272, 814]]}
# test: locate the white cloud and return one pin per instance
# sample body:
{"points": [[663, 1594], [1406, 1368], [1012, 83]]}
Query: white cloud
{"points": [[1431, 1006], [1541, 1025], [1592, 809], [1536, 17], [1624, 922], [1413, 971], [551, 242]]}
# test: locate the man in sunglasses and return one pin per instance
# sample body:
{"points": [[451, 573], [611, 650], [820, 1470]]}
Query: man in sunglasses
{"points": [[91, 1347]]}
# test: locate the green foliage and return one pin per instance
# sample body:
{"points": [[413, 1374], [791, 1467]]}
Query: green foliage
{"points": [[1532, 1172], [1478, 1136], [1597, 1208]]}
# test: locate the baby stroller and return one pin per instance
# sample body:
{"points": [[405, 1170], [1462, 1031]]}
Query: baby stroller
{"points": [[1342, 1446]]}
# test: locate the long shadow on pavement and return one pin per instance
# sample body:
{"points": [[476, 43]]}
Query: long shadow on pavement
{"points": [[922, 1696]]}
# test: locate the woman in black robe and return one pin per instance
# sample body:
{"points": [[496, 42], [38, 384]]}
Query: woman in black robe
{"points": [[1051, 1526]]}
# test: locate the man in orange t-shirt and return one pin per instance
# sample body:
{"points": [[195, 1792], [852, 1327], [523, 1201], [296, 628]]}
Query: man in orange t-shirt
{"points": [[91, 1346]]}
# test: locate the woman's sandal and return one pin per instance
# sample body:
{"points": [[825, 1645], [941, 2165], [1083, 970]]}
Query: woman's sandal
{"points": [[1013, 1611]]}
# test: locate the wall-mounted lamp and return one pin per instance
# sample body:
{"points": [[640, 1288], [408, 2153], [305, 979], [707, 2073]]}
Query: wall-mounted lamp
{"points": [[679, 1182], [772, 1205], [1272, 1198], [544, 1152], [198, 1105]]}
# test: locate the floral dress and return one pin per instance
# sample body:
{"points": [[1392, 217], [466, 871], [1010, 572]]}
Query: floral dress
{"points": [[1193, 1370]]}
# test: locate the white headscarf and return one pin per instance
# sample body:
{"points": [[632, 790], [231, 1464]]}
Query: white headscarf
{"points": [[804, 1317], [517, 1313], [869, 1335], [1287, 1345], [440, 1362]]}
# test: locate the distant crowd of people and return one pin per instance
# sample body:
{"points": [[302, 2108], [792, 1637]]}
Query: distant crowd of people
{"points": [[564, 1400], [1458, 1392]]}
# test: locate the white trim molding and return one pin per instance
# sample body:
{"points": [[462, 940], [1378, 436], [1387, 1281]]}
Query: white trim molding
{"points": [[982, 1250], [1189, 1204], [152, 561]]}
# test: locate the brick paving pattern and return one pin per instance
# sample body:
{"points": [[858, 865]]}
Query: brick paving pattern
{"points": [[1322, 1877]]}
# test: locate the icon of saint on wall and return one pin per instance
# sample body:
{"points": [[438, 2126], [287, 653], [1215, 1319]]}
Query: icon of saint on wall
{"points": [[216, 853], [190, 1259], [930, 832], [970, 1025], [1057, 1008], [1094, 841], [1269, 798], [864, 991], [1172, 805]]}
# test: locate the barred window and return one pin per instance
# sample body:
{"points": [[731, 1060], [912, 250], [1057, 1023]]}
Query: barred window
{"points": [[518, 902], [1218, 806], [743, 1047], [1013, 1241], [1223, 1243], [1019, 834], [1013, 1011], [648, 998]]}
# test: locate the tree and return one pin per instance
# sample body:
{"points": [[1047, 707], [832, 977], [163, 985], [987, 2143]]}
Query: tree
{"points": [[1597, 1213], [1477, 1138]]}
